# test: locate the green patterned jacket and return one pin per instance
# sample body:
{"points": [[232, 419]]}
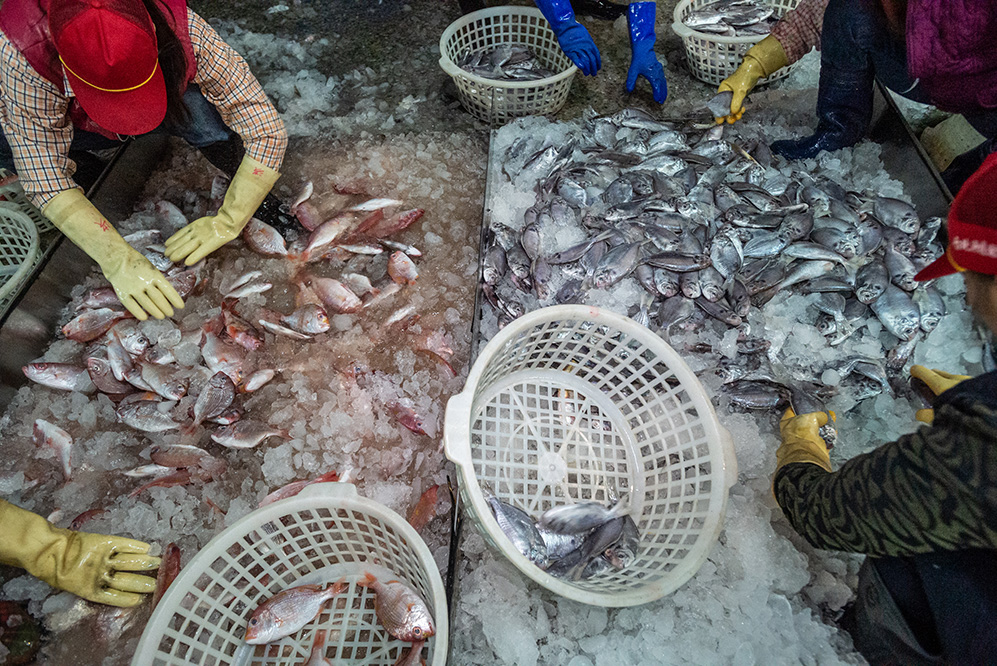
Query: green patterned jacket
{"points": [[933, 490]]}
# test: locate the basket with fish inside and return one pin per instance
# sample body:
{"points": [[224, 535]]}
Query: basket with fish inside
{"points": [[717, 33], [590, 456], [506, 63], [325, 576]]}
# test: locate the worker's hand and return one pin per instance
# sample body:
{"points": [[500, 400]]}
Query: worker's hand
{"points": [[643, 61], [801, 440], [203, 236], [97, 567], [761, 60], [573, 38], [937, 380], [140, 287]]}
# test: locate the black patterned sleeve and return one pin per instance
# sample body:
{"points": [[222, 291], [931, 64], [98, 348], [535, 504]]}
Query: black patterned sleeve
{"points": [[933, 490]]}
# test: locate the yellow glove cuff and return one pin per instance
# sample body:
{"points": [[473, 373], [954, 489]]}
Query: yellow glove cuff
{"points": [[767, 57]]}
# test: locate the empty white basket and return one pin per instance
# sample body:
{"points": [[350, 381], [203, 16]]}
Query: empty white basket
{"points": [[18, 251], [495, 101], [324, 533], [570, 403], [712, 58]]}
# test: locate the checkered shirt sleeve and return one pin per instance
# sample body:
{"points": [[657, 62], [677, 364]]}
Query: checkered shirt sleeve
{"points": [[226, 82], [34, 122], [799, 30]]}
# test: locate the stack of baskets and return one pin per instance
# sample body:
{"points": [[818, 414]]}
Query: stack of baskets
{"points": [[21, 225], [498, 102], [712, 58]]}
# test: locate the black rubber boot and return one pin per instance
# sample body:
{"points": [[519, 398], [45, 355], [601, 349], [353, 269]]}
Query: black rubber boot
{"points": [[227, 156], [844, 109], [600, 9]]}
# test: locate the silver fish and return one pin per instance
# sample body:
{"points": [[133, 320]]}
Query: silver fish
{"points": [[520, 530], [245, 434], [602, 537], [897, 214], [580, 517], [214, 398], [309, 319], [60, 376], [164, 380], [615, 265], [871, 281], [719, 104], [900, 269], [288, 611], [278, 329], [931, 307], [897, 312], [146, 416], [400, 609]]}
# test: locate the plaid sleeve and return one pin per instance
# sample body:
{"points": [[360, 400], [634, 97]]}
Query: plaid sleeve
{"points": [[33, 115], [799, 30], [226, 82]]}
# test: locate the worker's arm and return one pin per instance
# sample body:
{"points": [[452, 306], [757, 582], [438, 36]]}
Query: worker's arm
{"points": [[35, 123], [226, 81], [929, 491], [791, 39]]}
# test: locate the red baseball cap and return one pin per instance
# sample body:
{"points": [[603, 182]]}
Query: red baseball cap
{"points": [[109, 51], [972, 227]]}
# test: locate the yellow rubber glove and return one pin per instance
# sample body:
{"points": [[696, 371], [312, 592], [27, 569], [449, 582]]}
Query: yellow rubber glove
{"points": [[939, 382], [248, 189], [761, 60], [801, 441], [140, 287], [93, 566]]}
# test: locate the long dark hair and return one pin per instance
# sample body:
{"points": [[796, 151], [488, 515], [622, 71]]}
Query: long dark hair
{"points": [[173, 62]]}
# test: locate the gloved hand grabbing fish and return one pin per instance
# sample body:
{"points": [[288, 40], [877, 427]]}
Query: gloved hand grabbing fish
{"points": [[763, 59], [937, 382]]}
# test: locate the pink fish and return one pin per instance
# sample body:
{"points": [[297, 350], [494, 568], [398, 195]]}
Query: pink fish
{"points": [[293, 488], [92, 324], [220, 356], [309, 318], [308, 216], [169, 569], [288, 611], [395, 223], [184, 281], [400, 610], [264, 239], [169, 212], [401, 268], [245, 434], [60, 441], [425, 508], [335, 295], [304, 195], [214, 398], [100, 297], [330, 231], [240, 331], [230, 415], [280, 329], [181, 477], [257, 380], [414, 656], [305, 296], [79, 521], [100, 374], [188, 457], [61, 376], [317, 655], [407, 417]]}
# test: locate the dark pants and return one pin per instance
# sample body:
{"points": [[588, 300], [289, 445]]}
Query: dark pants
{"points": [[927, 609], [204, 128], [856, 38]]}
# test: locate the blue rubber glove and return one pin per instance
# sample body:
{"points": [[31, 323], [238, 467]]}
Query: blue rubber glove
{"points": [[574, 39], [643, 62]]}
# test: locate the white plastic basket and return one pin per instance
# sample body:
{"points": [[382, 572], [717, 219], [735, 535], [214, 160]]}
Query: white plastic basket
{"points": [[324, 533], [18, 251], [498, 102], [712, 58], [11, 190], [570, 402]]}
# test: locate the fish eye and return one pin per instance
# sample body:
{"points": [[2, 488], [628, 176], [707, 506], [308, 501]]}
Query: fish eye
{"points": [[254, 622], [418, 631]]}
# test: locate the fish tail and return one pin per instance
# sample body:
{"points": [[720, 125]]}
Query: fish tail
{"points": [[339, 586]]}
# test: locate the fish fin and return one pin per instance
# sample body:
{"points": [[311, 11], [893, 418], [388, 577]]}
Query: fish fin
{"points": [[367, 580]]}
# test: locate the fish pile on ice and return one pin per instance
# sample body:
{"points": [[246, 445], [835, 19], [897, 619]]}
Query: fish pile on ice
{"points": [[191, 379], [733, 18], [712, 229], [504, 62], [399, 609], [571, 541]]}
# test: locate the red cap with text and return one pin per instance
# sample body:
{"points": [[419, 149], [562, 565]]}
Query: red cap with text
{"points": [[972, 227], [109, 51]]}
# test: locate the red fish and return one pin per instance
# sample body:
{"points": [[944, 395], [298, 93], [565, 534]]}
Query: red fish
{"points": [[92, 324], [88, 515], [425, 508], [407, 417], [295, 487], [308, 216], [181, 477], [169, 568], [61, 376], [395, 223], [240, 331], [401, 268], [288, 611]]}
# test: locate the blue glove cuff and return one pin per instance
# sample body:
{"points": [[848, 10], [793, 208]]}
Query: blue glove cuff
{"points": [[640, 18], [558, 13]]}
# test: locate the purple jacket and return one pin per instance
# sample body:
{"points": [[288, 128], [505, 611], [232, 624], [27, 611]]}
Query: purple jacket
{"points": [[952, 49]]}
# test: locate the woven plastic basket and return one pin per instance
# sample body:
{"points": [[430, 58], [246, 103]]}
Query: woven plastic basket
{"points": [[18, 251], [325, 533], [712, 58], [498, 102], [572, 403], [11, 190]]}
